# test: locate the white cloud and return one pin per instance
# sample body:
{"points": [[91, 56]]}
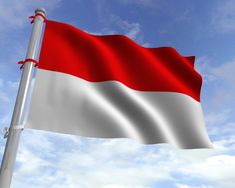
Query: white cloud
{"points": [[114, 24], [217, 169], [203, 65], [120, 186], [227, 144], [115, 163], [91, 163], [191, 186], [219, 79], [35, 164], [58, 161], [223, 16], [14, 13], [132, 30], [117, 25]]}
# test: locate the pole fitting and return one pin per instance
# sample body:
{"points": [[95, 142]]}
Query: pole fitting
{"points": [[40, 10], [6, 132]]}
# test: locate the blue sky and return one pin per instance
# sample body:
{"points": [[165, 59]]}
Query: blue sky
{"points": [[202, 28]]}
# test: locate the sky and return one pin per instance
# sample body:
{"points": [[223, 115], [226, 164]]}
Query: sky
{"points": [[205, 29]]}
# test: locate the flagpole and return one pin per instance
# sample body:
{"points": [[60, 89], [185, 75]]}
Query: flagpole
{"points": [[16, 126]]}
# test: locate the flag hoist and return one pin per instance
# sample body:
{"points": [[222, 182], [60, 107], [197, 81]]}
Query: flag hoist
{"points": [[16, 126]]}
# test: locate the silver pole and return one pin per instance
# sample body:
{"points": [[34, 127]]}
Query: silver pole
{"points": [[15, 129]]}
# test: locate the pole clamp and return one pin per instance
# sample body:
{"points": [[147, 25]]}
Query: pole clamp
{"points": [[15, 127], [6, 132]]}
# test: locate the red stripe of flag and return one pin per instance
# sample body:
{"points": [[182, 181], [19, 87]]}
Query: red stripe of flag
{"points": [[94, 58]]}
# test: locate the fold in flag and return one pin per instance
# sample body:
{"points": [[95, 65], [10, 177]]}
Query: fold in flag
{"points": [[110, 87]]}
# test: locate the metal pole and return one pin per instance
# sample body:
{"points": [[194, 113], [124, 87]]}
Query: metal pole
{"points": [[15, 129]]}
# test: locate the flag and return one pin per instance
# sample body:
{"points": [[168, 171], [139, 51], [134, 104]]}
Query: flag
{"points": [[111, 87]]}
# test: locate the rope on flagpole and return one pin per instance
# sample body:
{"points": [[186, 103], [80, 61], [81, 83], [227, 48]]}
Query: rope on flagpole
{"points": [[37, 14], [22, 63]]}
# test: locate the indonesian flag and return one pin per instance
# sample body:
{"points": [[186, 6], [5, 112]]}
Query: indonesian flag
{"points": [[110, 87]]}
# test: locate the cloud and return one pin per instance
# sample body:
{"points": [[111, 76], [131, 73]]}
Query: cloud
{"points": [[132, 30], [116, 24], [220, 170], [223, 16], [227, 144], [116, 163], [192, 186], [120, 186], [125, 27], [203, 65], [219, 91], [219, 81], [58, 161], [14, 13], [88, 163]]}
